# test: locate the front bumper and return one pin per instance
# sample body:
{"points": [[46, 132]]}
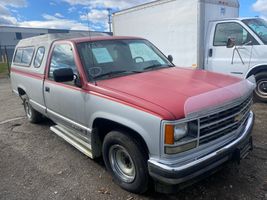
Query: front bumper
{"points": [[173, 175]]}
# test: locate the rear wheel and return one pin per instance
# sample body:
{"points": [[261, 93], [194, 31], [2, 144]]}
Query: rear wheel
{"points": [[260, 93], [126, 160], [32, 115]]}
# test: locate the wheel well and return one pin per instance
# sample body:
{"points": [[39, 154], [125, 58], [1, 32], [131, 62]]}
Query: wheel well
{"points": [[257, 70], [21, 92], [101, 127]]}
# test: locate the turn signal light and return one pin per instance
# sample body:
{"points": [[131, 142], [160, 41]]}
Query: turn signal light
{"points": [[169, 134]]}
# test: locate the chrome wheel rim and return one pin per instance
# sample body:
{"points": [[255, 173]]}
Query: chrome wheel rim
{"points": [[122, 163], [262, 88], [28, 109]]}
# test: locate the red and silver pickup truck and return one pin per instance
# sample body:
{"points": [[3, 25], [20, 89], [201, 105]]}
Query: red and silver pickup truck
{"points": [[121, 98]]}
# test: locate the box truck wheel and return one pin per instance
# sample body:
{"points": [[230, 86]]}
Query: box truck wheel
{"points": [[32, 115], [126, 161], [260, 92]]}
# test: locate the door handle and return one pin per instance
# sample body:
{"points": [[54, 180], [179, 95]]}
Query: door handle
{"points": [[47, 89], [210, 52], [240, 73]]}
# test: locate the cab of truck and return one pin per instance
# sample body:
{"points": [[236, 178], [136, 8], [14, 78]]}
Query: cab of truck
{"points": [[239, 47]]}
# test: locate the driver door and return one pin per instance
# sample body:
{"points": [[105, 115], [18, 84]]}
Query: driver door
{"points": [[65, 101], [232, 61]]}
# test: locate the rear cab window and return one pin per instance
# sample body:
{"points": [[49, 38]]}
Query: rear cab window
{"points": [[23, 56]]}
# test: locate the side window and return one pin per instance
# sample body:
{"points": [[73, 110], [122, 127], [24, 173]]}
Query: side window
{"points": [[18, 56], [231, 30], [24, 56], [62, 57], [39, 57], [141, 52]]}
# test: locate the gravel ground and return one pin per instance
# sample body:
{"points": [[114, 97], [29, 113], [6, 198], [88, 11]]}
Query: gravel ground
{"points": [[37, 164]]}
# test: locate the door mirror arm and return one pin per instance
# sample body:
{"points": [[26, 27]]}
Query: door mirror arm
{"points": [[233, 55], [77, 81], [247, 43]]}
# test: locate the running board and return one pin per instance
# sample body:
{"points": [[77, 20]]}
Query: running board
{"points": [[78, 143]]}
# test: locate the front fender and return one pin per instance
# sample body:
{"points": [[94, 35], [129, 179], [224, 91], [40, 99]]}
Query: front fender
{"points": [[255, 69], [143, 123]]}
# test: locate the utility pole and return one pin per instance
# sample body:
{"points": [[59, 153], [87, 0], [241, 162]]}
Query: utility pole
{"points": [[109, 18]]}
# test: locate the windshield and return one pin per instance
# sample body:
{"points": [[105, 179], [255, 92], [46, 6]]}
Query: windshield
{"points": [[112, 58], [259, 26]]}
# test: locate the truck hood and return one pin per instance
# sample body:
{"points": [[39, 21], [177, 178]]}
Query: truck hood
{"points": [[164, 92]]}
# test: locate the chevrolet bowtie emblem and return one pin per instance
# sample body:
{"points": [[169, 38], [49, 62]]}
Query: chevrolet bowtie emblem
{"points": [[238, 117]]}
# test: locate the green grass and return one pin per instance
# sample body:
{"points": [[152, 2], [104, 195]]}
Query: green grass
{"points": [[3, 69]]}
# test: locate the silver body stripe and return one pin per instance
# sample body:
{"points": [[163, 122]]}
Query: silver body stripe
{"points": [[68, 120]]}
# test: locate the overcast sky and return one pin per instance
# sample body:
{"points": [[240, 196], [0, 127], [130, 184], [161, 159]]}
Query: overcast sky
{"points": [[74, 14]]}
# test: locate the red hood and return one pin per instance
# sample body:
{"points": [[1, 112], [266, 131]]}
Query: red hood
{"points": [[163, 92]]}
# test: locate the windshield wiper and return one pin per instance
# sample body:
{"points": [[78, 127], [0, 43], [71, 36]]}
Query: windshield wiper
{"points": [[111, 73], [156, 66]]}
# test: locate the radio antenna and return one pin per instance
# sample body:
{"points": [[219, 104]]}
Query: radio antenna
{"points": [[90, 42], [88, 22], [109, 19]]}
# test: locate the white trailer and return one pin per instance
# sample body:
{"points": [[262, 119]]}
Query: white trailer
{"points": [[203, 34]]}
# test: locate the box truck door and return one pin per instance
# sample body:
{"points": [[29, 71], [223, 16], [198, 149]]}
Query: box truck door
{"points": [[234, 60]]}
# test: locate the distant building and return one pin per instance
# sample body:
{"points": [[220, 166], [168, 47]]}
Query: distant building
{"points": [[10, 35]]}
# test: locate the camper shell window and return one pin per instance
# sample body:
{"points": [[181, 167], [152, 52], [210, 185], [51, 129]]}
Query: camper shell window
{"points": [[24, 56], [39, 57]]}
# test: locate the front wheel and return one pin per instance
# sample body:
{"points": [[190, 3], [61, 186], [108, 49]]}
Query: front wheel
{"points": [[260, 92], [126, 160]]}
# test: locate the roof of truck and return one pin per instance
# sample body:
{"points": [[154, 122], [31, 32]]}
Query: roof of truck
{"points": [[231, 3], [74, 37], [239, 19], [51, 37], [97, 38]]}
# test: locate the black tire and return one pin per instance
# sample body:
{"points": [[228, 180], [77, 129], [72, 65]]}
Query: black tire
{"points": [[116, 146], [32, 115], [260, 92]]}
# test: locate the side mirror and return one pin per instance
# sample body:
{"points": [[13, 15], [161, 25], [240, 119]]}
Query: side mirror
{"points": [[63, 75], [230, 43], [170, 58]]}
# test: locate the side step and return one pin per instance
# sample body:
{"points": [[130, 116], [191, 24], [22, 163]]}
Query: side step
{"points": [[78, 143]]}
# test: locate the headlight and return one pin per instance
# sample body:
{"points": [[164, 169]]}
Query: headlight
{"points": [[175, 132], [180, 130], [180, 137]]}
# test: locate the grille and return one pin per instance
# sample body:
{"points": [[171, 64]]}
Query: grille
{"points": [[223, 123]]}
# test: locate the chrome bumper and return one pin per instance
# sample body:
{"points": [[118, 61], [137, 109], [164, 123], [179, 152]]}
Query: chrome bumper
{"points": [[172, 175]]}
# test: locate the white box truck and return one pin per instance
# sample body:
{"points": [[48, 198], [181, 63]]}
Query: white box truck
{"points": [[204, 34]]}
